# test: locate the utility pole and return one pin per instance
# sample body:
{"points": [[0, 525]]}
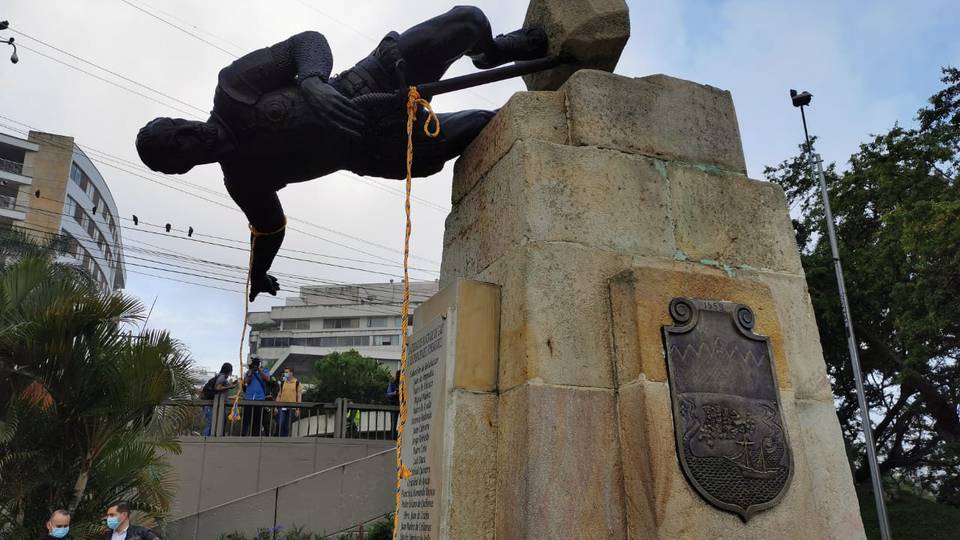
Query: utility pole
{"points": [[9, 41], [801, 100]]}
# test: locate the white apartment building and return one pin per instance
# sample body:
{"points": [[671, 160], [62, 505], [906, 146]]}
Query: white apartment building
{"points": [[364, 317], [48, 186]]}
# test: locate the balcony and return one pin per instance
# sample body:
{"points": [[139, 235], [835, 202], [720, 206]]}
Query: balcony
{"points": [[13, 171], [9, 166], [9, 209]]}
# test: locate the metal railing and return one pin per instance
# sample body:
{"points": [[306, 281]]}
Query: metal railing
{"points": [[10, 166], [341, 419]]}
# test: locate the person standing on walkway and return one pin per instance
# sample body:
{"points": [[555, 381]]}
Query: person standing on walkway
{"points": [[393, 398], [255, 389], [289, 393], [216, 386]]}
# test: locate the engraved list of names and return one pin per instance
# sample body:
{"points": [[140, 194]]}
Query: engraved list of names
{"points": [[422, 448]]}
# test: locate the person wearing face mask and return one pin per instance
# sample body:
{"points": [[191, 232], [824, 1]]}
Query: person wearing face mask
{"points": [[290, 393], [118, 521], [58, 526]]}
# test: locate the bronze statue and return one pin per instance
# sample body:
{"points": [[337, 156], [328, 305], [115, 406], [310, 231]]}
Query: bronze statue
{"points": [[279, 117]]}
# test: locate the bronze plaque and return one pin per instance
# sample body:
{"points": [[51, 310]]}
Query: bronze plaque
{"points": [[726, 408]]}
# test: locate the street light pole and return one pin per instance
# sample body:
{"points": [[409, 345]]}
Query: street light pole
{"points": [[801, 100], [13, 57]]}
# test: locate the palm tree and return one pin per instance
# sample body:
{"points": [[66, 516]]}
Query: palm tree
{"points": [[82, 420]]}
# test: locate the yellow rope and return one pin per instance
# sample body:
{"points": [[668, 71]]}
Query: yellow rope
{"points": [[414, 102], [254, 234]]}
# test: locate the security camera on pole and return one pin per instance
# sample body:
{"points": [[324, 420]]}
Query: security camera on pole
{"points": [[801, 100]]}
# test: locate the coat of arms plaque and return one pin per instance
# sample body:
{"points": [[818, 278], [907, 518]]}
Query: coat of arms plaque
{"points": [[731, 440]]}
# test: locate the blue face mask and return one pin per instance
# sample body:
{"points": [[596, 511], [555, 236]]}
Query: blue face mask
{"points": [[113, 522], [60, 532]]}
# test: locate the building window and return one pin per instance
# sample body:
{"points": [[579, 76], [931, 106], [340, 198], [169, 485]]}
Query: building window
{"points": [[296, 324], [386, 340], [77, 211], [343, 341], [76, 174], [274, 342], [91, 228], [341, 323], [377, 322], [72, 247]]}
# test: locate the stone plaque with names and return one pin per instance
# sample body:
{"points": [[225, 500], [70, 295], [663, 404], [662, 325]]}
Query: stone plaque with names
{"points": [[423, 438]]}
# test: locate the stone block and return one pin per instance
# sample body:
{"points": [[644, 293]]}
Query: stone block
{"points": [[732, 220], [542, 191], [592, 33], [474, 307], [801, 338], [660, 503], [555, 314], [559, 468], [525, 116], [639, 300], [470, 482], [657, 116], [830, 476]]}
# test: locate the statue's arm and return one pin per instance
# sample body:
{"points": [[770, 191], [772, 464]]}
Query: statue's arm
{"points": [[305, 55], [265, 213]]}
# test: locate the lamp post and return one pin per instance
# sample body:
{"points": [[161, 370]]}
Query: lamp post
{"points": [[9, 41], [801, 100]]}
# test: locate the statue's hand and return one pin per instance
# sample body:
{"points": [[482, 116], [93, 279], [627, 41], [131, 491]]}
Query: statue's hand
{"points": [[332, 106], [263, 283]]}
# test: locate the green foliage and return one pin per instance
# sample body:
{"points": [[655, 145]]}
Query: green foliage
{"points": [[349, 375], [80, 398], [381, 530], [912, 516], [897, 209]]}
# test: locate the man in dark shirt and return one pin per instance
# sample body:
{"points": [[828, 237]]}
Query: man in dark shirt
{"points": [[279, 117]]}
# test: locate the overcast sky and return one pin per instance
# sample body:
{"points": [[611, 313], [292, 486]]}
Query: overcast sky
{"points": [[868, 70]]}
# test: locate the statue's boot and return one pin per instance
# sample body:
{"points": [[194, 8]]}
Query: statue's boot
{"points": [[523, 44]]}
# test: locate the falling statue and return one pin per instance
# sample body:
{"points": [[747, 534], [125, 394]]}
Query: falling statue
{"points": [[279, 117]]}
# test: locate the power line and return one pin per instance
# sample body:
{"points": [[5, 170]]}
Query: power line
{"points": [[114, 73], [108, 81], [195, 27], [221, 278], [180, 28]]}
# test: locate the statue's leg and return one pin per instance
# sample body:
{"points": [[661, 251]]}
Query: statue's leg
{"points": [[430, 47], [457, 131]]}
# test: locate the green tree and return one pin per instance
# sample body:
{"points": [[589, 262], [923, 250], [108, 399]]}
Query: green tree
{"points": [[81, 396], [897, 209], [352, 376]]}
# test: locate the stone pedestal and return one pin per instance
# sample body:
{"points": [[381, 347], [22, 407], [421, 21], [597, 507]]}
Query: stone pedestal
{"points": [[591, 207]]}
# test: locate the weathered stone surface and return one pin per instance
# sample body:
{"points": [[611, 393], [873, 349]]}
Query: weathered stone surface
{"points": [[732, 220], [525, 116], [555, 314], [660, 503], [801, 338], [542, 191], [656, 116], [830, 476], [592, 32], [474, 307], [639, 303], [471, 465], [559, 474]]}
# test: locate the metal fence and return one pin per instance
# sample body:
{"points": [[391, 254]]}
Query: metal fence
{"points": [[341, 419]]}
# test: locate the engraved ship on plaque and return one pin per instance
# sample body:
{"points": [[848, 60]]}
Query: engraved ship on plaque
{"points": [[730, 434]]}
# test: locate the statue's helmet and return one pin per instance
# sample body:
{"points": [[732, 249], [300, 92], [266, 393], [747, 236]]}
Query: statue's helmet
{"points": [[174, 145]]}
